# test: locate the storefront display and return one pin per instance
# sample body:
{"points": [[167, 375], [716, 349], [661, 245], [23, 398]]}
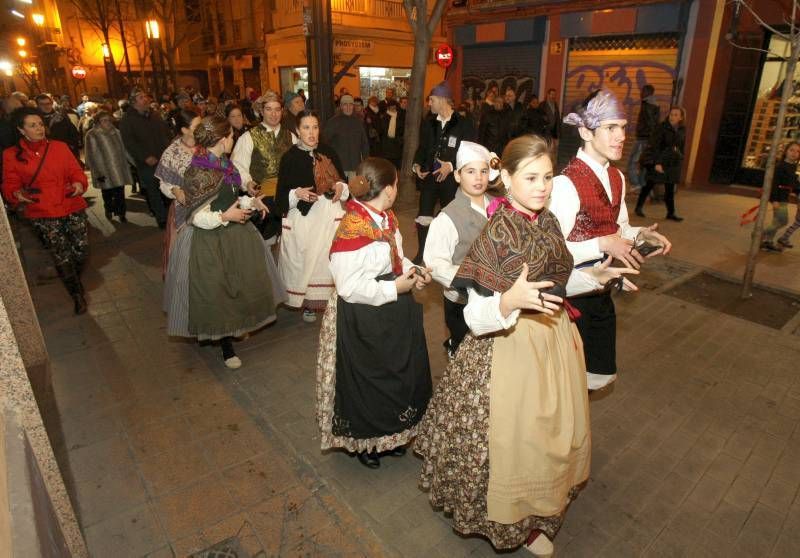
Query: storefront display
{"points": [[293, 79], [765, 113], [375, 81]]}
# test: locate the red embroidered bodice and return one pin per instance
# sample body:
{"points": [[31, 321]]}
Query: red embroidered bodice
{"points": [[597, 215]]}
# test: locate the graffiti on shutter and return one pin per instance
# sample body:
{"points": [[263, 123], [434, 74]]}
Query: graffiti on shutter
{"points": [[622, 65], [505, 66]]}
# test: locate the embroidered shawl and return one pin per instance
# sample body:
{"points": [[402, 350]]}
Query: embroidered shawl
{"points": [[204, 178], [510, 239], [358, 229]]}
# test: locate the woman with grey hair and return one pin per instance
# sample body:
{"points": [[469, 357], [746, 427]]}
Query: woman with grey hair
{"points": [[106, 159]]}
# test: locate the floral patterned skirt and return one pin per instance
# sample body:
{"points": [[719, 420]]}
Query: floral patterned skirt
{"points": [[453, 440]]}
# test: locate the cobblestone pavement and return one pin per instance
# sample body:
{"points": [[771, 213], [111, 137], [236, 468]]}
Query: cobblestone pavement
{"points": [[695, 449]]}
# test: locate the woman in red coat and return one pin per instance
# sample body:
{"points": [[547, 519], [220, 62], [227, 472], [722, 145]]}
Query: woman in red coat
{"points": [[43, 178]]}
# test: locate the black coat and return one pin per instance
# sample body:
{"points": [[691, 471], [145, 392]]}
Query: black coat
{"points": [[516, 121], [493, 133], [665, 148], [785, 181], [297, 171], [553, 116], [535, 122], [648, 120], [61, 128], [440, 143], [144, 135], [392, 148]]}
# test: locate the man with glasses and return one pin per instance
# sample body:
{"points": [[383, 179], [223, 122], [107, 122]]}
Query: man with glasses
{"points": [[59, 126], [589, 201]]}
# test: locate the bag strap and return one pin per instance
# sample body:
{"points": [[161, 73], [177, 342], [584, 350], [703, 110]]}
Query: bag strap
{"points": [[38, 168]]}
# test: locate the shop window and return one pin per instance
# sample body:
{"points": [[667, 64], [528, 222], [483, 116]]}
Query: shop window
{"points": [[765, 113], [375, 81], [293, 79]]}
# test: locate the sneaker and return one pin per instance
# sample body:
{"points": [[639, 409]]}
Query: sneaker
{"points": [[233, 363], [768, 246], [309, 316], [785, 243]]}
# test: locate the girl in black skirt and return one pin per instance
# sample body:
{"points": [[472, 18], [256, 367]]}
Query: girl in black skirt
{"points": [[373, 376]]}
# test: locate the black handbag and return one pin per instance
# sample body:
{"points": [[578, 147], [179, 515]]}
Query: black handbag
{"points": [[27, 189]]}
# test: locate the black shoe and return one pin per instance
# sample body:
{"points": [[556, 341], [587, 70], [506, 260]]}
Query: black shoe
{"points": [[369, 460], [109, 215], [639, 212], [768, 246], [123, 219], [675, 218], [785, 243], [399, 451], [80, 303]]}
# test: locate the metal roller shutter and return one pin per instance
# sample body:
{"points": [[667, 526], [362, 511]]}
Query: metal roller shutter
{"points": [[623, 65], [502, 65]]}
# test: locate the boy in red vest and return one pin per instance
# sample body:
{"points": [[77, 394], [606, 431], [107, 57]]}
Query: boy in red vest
{"points": [[589, 201]]}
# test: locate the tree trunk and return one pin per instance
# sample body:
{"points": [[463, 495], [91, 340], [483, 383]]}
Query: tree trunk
{"points": [[769, 173], [422, 43]]}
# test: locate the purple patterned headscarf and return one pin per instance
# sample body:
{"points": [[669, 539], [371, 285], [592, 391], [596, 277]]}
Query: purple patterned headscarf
{"points": [[604, 106]]}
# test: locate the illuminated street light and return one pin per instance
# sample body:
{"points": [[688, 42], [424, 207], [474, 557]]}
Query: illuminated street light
{"points": [[21, 41], [26, 1], [38, 19], [16, 13], [151, 27], [6, 67], [22, 53], [106, 51]]}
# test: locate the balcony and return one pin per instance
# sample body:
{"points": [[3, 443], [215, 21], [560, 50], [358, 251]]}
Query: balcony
{"points": [[371, 13]]}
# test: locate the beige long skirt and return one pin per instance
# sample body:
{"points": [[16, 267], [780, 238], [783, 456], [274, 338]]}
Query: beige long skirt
{"points": [[505, 441]]}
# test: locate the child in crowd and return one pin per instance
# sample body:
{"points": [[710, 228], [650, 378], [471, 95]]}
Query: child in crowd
{"points": [[455, 228]]}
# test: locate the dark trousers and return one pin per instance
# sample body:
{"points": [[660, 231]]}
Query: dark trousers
{"points": [[114, 200], [454, 320], [67, 241], [598, 328], [669, 195], [432, 192], [149, 184]]}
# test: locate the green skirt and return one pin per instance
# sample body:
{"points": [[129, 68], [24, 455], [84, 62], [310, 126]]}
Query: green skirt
{"points": [[230, 292]]}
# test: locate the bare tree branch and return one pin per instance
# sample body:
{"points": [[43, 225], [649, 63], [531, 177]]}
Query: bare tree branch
{"points": [[759, 19], [765, 51]]}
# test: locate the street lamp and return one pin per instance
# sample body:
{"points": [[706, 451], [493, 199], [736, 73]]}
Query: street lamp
{"points": [[153, 35], [21, 41], [38, 19], [151, 27], [22, 53]]}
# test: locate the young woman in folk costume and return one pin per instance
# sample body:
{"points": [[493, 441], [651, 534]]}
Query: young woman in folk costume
{"points": [[228, 285], [309, 197], [373, 376], [505, 440], [453, 231], [171, 166]]}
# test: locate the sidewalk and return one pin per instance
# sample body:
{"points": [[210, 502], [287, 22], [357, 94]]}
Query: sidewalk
{"points": [[695, 449]]}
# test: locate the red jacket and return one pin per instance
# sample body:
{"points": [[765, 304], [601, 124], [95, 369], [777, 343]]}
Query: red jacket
{"points": [[59, 171]]}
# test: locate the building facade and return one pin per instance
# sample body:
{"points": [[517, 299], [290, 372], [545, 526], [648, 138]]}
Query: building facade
{"points": [[373, 48], [681, 47]]}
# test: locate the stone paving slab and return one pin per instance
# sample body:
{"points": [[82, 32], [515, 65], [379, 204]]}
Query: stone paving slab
{"points": [[695, 449]]}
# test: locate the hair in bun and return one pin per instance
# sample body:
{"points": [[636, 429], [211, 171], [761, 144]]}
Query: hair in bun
{"points": [[495, 163], [358, 185], [376, 173]]}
